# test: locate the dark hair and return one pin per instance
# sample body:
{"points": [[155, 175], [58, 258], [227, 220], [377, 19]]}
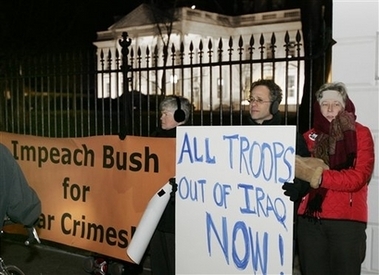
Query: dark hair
{"points": [[275, 90]]}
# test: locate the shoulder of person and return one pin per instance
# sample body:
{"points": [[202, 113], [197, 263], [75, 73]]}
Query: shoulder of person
{"points": [[361, 127], [363, 131]]}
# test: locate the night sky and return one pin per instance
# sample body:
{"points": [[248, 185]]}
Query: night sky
{"points": [[41, 26], [54, 25]]}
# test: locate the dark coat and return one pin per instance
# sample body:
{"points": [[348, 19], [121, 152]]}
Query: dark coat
{"points": [[167, 221], [18, 201]]}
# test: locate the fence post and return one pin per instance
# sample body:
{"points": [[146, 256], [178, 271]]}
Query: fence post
{"points": [[125, 127]]}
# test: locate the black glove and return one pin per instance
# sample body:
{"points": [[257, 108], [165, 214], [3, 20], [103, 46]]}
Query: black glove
{"points": [[296, 190], [173, 189]]}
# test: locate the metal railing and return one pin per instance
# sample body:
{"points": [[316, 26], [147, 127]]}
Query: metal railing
{"points": [[76, 95]]}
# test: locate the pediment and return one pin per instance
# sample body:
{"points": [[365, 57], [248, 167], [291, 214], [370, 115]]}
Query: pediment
{"points": [[140, 16]]}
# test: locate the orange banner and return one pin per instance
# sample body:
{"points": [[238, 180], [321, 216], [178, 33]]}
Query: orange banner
{"points": [[93, 190]]}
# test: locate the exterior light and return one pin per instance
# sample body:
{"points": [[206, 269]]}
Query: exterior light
{"points": [[174, 79]]}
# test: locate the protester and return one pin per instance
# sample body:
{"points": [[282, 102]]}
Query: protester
{"points": [[265, 98], [333, 216], [175, 111], [18, 201]]}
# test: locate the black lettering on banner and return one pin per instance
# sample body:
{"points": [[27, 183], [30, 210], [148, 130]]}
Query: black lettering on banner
{"points": [[45, 221], [136, 161], [93, 232], [41, 154], [74, 191]]}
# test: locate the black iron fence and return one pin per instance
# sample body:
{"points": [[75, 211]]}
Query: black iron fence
{"points": [[118, 90]]}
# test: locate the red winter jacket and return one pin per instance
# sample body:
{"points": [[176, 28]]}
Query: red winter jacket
{"points": [[346, 198]]}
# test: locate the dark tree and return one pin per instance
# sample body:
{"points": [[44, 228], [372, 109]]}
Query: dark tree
{"points": [[316, 19]]}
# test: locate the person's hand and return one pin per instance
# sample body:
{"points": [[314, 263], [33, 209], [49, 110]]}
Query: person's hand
{"points": [[174, 185], [174, 188], [296, 190]]}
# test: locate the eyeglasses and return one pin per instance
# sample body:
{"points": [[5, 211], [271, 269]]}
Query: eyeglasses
{"points": [[258, 100]]}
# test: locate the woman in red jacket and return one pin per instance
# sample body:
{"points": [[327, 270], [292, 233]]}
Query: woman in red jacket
{"points": [[332, 218]]}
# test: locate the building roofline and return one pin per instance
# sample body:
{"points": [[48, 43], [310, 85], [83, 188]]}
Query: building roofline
{"points": [[140, 21]]}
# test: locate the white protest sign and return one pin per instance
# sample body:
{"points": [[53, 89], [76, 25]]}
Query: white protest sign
{"points": [[231, 214]]}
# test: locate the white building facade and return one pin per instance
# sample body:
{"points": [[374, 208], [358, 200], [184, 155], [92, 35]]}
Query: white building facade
{"points": [[193, 29]]}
